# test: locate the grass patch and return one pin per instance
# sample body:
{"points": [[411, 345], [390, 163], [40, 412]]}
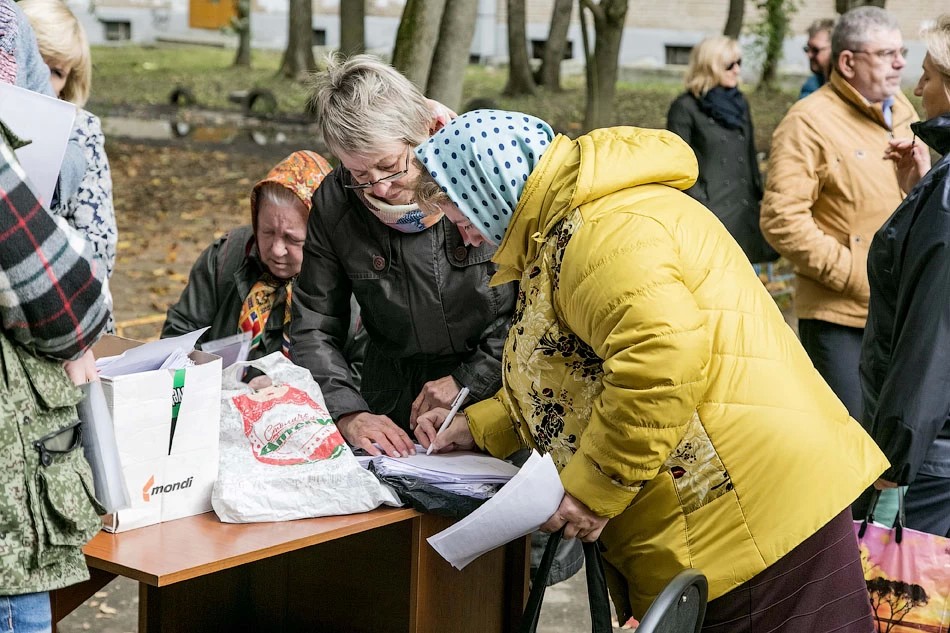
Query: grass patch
{"points": [[146, 75]]}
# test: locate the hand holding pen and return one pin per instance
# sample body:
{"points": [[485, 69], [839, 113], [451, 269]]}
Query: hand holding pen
{"points": [[447, 422]]}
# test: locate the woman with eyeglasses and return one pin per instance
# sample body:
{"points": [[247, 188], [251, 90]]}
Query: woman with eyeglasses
{"points": [[713, 117], [433, 322], [905, 356]]}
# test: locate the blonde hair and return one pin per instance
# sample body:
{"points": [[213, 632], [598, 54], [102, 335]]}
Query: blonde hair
{"points": [[363, 104], [62, 40], [937, 38], [707, 63]]}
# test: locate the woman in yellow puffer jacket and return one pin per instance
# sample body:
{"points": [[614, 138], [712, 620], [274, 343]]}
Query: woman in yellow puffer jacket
{"points": [[688, 424]]}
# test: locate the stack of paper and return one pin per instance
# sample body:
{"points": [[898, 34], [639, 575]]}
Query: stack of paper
{"points": [[463, 472], [519, 508], [166, 353]]}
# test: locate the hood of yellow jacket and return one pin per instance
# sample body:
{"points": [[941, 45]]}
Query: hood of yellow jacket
{"points": [[573, 172]]}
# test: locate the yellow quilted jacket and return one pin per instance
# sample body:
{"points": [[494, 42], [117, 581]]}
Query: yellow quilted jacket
{"points": [[649, 360]]}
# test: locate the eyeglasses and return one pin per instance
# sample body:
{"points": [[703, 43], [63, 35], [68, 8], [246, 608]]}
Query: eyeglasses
{"points": [[887, 55], [732, 65], [391, 177], [814, 50], [58, 442]]}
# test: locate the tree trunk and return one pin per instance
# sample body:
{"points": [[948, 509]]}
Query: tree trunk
{"points": [[843, 6], [242, 25], [520, 79], [416, 39], [451, 53], [550, 74], [609, 17], [777, 17], [298, 59], [352, 27], [734, 21]]}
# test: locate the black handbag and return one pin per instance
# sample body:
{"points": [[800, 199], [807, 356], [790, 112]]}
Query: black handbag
{"points": [[596, 588]]}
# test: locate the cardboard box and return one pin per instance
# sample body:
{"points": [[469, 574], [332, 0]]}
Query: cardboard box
{"points": [[166, 427]]}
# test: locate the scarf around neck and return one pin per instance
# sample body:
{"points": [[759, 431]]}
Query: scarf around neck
{"points": [[726, 106], [482, 160], [405, 218]]}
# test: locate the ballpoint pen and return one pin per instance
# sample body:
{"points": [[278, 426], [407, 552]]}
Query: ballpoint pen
{"points": [[456, 405]]}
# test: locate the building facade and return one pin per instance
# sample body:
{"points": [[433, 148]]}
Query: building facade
{"points": [[657, 33]]}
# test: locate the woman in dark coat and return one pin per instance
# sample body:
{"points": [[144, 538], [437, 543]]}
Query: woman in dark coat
{"points": [[905, 358], [713, 117], [434, 324]]}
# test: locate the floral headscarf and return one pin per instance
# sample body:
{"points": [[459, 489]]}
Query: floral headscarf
{"points": [[301, 172], [482, 161]]}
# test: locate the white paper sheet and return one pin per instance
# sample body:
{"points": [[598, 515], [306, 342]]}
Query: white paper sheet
{"points": [[519, 508], [456, 467], [231, 349], [45, 121], [148, 356]]}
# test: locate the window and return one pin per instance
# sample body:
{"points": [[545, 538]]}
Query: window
{"points": [[117, 30], [678, 55], [319, 37]]}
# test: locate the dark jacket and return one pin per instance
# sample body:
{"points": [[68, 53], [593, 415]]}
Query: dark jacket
{"points": [[905, 359], [424, 298], [729, 183], [219, 281]]}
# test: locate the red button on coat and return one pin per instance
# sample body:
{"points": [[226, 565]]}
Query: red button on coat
{"points": [[378, 262]]}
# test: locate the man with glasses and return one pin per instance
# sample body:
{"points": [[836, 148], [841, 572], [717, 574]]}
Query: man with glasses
{"points": [[818, 50], [829, 190]]}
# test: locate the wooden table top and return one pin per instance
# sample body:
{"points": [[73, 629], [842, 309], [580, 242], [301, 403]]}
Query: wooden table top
{"points": [[171, 552]]}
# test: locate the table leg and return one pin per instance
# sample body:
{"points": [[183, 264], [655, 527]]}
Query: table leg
{"points": [[64, 601], [488, 595]]}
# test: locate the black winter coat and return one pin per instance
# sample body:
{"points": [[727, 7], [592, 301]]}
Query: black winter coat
{"points": [[424, 299], [905, 358], [729, 183]]}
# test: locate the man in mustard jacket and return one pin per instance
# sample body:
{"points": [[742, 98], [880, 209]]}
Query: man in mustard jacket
{"points": [[829, 190]]}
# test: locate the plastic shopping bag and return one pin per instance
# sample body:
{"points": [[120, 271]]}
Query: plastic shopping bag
{"points": [[281, 455], [907, 573]]}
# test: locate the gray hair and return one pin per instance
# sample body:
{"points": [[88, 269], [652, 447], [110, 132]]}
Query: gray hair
{"points": [[937, 38], [363, 104], [819, 25], [855, 26]]}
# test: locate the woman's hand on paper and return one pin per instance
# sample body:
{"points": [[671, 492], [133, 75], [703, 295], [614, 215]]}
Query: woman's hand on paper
{"points": [[364, 429], [576, 519], [912, 161], [83, 369], [435, 393], [458, 437]]}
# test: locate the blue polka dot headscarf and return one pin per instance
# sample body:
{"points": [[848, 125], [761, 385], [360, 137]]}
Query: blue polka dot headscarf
{"points": [[482, 160]]}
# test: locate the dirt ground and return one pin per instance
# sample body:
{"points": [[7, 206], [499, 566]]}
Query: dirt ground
{"points": [[172, 200]]}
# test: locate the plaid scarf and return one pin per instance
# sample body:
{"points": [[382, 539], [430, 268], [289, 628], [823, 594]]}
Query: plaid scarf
{"points": [[51, 298]]}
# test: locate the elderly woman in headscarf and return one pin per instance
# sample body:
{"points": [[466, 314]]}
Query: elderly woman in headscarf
{"points": [[688, 424], [243, 282]]}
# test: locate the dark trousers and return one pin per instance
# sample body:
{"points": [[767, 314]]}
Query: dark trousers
{"points": [[835, 351], [927, 505]]}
